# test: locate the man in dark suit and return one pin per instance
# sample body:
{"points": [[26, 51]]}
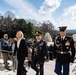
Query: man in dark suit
{"points": [[64, 52], [22, 52], [39, 54]]}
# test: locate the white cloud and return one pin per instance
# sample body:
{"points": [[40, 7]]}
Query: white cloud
{"points": [[49, 6], [26, 10], [14, 12], [68, 18], [70, 11]]}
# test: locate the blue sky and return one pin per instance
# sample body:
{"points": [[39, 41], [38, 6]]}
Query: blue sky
{"points": [[36, 3], [59, 12]]}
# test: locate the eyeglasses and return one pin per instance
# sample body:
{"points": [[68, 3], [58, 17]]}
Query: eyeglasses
{"points": [[6, 36]]}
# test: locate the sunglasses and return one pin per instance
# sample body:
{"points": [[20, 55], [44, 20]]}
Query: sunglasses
{"points": [[6, 36]]}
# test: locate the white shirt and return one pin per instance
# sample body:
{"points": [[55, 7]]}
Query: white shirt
{"points": [[38, 40], [18, 43], [63, 37]]}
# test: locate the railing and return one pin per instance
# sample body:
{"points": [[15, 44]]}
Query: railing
{"points": [[6, 51], [14, 63]]}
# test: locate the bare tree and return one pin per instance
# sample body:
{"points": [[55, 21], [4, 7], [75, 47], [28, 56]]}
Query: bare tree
{"points": [[9, 14], [47, 26]]}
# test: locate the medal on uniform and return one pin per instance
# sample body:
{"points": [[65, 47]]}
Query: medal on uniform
{"points": [[35, 49], [67, 43]]}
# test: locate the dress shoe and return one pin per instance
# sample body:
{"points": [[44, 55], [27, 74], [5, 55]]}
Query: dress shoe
{"points": [[8, 69], [7, 63], [24, 72], [37, 73]]}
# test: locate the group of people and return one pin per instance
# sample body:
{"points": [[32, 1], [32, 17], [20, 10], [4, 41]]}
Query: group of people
{"points": [[63, 50]]}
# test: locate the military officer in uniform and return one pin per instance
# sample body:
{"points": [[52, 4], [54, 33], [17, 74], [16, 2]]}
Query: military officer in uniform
{"points": [[64, 52], [39, 54]]}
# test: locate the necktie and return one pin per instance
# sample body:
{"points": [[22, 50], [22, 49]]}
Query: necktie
{"points": [[62, 39]]}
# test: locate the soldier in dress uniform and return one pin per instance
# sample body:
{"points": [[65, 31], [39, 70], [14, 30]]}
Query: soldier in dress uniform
{"points": [[39, 54], [64, 52]]}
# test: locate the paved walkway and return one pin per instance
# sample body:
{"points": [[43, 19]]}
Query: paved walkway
{"points": [[48, 67]]}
